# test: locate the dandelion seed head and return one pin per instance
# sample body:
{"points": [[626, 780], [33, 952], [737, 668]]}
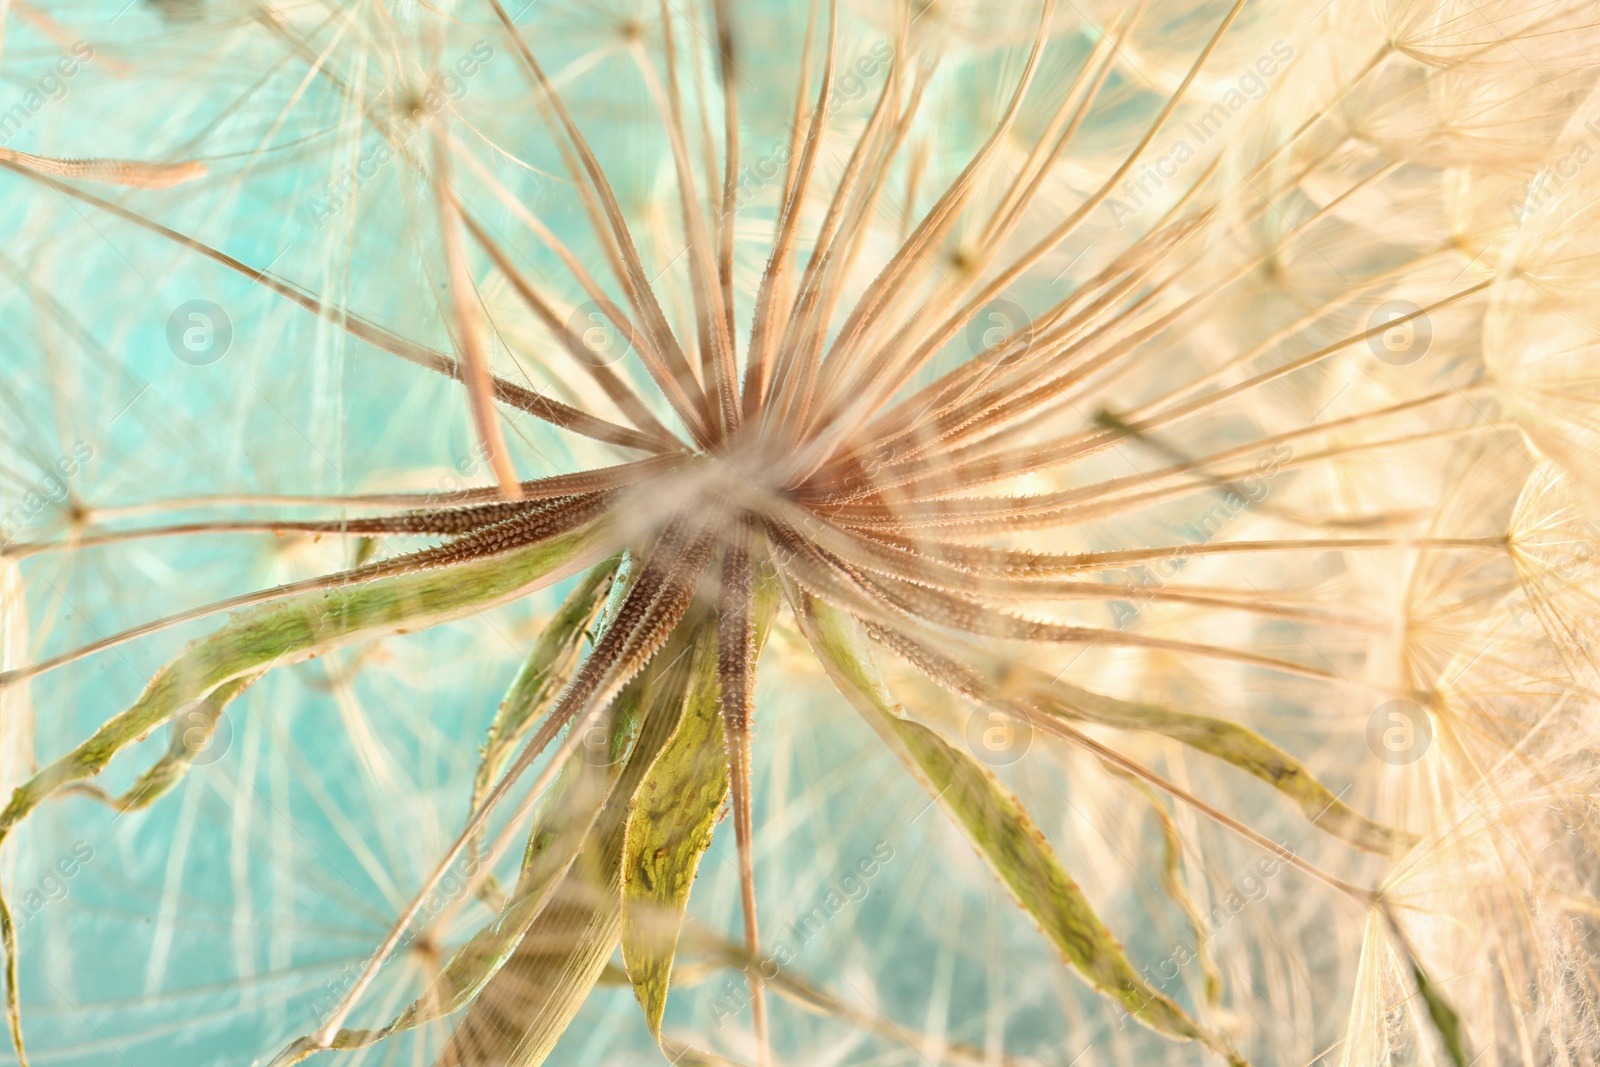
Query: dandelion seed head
{"points": [[1206, 389]]}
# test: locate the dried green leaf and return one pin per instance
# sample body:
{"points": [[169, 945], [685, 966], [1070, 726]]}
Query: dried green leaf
{"points": [[999, 829]]}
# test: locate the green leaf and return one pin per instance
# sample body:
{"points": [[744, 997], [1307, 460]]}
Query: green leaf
{"points": [[522, 1011], [563, 827], [999, 829], [192, 730], [1238, 745], [1034, 692], [537, 684], [288, 631], [670, 824], [1445, 1019], [306, 625], [544, 672], [1172, 881]]}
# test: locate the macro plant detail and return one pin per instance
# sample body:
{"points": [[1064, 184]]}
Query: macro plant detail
{"points": [[1057, 535]]}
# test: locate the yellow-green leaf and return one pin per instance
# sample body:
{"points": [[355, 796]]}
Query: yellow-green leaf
{"points": [[306, 625], [670, 825], [192, 731], [1172, 881], [288, 631], [998, 828], [1036, 692], [1444, 1017], [525, 1007], [563, 826], [1238, 745], [537, 684], [543, 673]]}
